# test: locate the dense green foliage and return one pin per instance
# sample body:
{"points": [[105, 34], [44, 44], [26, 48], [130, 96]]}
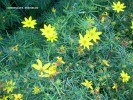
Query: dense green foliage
{"points": [[21, 46]]}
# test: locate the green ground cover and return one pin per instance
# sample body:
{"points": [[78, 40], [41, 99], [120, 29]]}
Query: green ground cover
{"points": [[66, 50]]}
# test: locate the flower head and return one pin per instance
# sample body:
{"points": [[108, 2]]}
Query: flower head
{"points": [[15, 48], [50, 72], [9, 86], [92, 34], [88, 84], [46, 70], [118, 6], [36, 90], [62, 49], [125, 76], [84, 41], [115, 86], [29, 22], [105, 62], [18, 96], [59, 60], [49, 32], [39, 66]]}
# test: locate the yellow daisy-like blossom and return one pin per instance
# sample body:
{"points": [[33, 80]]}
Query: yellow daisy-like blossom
{"points": [[36, 90], [46, 70], [49, 32], [105, 62], [9, 86], [18, 97], [92, 34], [125, 76], [42, 74], [47, 29], [84, 41], [88, 84], [51, 37], [40, 67], [103, 16], [59, 60], [50, 72], [29, 22], [62, 49], [15, 48], [115, 86], [118, 6]]}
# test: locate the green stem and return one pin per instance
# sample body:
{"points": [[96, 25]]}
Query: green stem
{"points": [[56, 88]]}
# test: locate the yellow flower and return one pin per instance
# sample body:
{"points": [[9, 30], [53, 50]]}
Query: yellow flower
{"points": [[29, 22], [46, 70], [49, 32], [52, 70], [39, 66], [42, 74], [47, 29], [84, 41], [51, 36], [125, 76], [36, 90], [115, 86], [59, 60], [92, 34], [9, 86], [18, 97], [53, 10], [118, 6], [105, 13], [88, 84], [62, 48], [105, 62], [132, 25], [15, 48], [102, 19]]}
